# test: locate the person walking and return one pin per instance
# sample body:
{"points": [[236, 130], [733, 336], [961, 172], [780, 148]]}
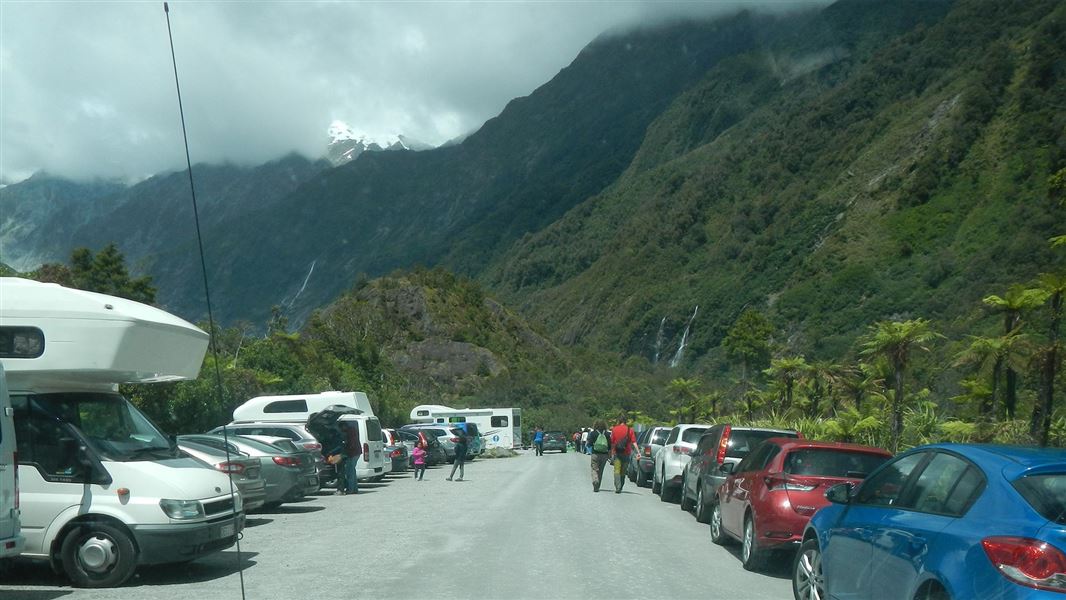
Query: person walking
{"points": [[419, 454], [538, 441], [460, 453], [623, 441], [585, 440], [600, 448]]}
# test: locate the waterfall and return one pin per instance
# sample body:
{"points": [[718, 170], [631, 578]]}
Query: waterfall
{"points": [[676, 360], [659, 341]]}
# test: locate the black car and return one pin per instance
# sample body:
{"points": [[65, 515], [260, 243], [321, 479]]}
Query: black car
{"points": [[435, 454]]}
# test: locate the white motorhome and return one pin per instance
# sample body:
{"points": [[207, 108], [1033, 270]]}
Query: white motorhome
{"points": [[103, 490], [11, 540], [499, 427], [297, 408]]}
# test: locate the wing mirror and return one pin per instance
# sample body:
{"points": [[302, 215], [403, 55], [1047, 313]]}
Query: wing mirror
{"points": [[840, 493], [726, 468]]}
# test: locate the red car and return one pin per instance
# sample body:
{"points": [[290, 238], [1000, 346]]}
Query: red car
{"points": [[769, 496]]}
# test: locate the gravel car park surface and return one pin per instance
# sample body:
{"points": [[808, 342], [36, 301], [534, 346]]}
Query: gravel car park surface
{"points": [[522, 527]]}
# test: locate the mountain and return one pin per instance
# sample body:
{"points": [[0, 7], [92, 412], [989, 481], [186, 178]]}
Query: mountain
{"points": [[462, 205], [882, 160], [346, 145], [39, 214]]}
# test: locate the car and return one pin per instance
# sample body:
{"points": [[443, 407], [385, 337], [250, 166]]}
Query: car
{"points": [[944, 521], [297, 432], [721, 444], [447, 435], [554, 440], [289, 476], [649, 442], [246, 472], [398, 457], [435, 454], [768, 497], [670, 462]]}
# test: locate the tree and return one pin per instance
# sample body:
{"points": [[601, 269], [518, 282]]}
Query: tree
{"points": [[896, 341], [1013, 304], [748, 342], [1054, 288], [990, 355], [684, 392], [105, 272], [787, 372], [824, 376], [861, 381]]}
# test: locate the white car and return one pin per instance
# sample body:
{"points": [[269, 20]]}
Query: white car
{"points": [[671, 460]]}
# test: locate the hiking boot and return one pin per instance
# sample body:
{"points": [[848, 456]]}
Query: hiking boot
{"points": [[449, 478], [459, 479]]}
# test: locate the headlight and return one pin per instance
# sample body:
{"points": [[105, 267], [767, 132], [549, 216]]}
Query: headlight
{"points": [[238, 502], [182, 509]]}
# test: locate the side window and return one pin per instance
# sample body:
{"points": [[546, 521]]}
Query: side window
{"points": [[885, 487], [673, 436], [285, 406], [966, 490], [936, 482], [499, 421], [45, 443]]}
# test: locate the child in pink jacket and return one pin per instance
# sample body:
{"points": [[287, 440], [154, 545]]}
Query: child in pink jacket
{"points": [[420, 461]]}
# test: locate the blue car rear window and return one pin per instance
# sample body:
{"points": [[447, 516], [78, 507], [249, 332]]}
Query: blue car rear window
{"points": [[1046, 494]]}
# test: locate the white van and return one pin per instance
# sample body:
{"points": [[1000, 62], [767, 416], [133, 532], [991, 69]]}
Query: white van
{"points": [[497, 427], [10, 539], [372, 463], [102, 489], [297, 408]]}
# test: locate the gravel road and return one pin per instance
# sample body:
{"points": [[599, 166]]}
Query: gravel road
{"points": [[522, 527]]}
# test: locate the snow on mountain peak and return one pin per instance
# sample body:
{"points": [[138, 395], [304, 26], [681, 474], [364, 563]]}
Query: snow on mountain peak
{"points": [[346, 144]]}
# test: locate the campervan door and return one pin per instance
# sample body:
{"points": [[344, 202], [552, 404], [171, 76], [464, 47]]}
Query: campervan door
{"points": [[10, 539]]}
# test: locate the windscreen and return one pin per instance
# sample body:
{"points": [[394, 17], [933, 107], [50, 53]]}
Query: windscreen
{"points": [[1046, 494], [114, 428], [832, 463], [285, 445]]}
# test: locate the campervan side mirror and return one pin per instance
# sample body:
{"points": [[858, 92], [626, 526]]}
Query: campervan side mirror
{"points": [[839, 493]]}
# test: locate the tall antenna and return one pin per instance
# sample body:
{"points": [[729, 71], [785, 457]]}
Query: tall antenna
{"points": [[207, 289]]}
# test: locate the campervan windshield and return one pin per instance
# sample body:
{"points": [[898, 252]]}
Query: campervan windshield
{"points": [[110, 425]]}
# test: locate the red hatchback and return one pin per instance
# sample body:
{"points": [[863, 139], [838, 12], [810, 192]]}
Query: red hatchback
{"points": [[769, 496]]}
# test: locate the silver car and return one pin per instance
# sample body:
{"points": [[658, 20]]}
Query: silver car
{"points": [[297, 432], [245, 471], [445, 434], [289, 475]]}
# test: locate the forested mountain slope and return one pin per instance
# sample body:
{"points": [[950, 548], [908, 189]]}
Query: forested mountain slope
{"points": [[833, 177]]}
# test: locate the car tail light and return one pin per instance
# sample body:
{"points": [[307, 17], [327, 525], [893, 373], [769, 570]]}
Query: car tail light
{"points": [[682, 450], [723, 445], [396, 454], [312, 446], [286, 461], [455, 440], [231, 467], [776, 483], [366, 452], [15, 459], [647, 451], [1028, 562]]}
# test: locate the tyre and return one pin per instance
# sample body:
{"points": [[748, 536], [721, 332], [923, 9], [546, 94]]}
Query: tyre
{"points": [[642, 479], [666, 494], [807, 580], [656, 487], [701, 508], [686, 504], [932, 592], [718, 535], [98, 555], [751, 556]]}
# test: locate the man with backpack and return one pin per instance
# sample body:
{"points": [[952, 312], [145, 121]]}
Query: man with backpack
{"points": [[599, 445], [623, 443]]}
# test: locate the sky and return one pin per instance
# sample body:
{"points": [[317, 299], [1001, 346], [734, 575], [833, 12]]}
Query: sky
{"points": [[87, 88]]}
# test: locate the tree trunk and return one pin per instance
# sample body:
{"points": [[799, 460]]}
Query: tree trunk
{"points": [[989, 402], [744, 386], [788, 394], [1010, 400], [858, 400], [897, 407], [1047, 373]]}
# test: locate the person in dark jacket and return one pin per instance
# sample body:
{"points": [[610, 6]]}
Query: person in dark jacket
{"points": [[600, 452], [460, 453], [350, 449]]}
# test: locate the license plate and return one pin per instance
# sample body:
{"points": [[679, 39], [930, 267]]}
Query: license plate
{"points": [[226, 531]]}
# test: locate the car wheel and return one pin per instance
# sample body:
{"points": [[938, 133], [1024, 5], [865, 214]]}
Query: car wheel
{"points": [[664, 492], [701, 509], [656, 487], [751, 556], [98, 555], [808, 583], [718, 536], [685, 503]]}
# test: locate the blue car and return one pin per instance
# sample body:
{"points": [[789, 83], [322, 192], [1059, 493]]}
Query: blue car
{"points": [[941, 522]]}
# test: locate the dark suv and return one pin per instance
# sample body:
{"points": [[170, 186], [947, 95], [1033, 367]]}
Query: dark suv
{"points": [[718, 445], [554, 440]]}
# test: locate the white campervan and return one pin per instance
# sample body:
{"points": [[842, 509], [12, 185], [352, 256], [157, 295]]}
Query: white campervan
{"points": [[102, 489], [10, 539], [297, 408], [498, 427]]}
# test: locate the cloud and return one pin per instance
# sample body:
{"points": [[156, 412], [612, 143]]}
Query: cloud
{"points": [[87, 89]]}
